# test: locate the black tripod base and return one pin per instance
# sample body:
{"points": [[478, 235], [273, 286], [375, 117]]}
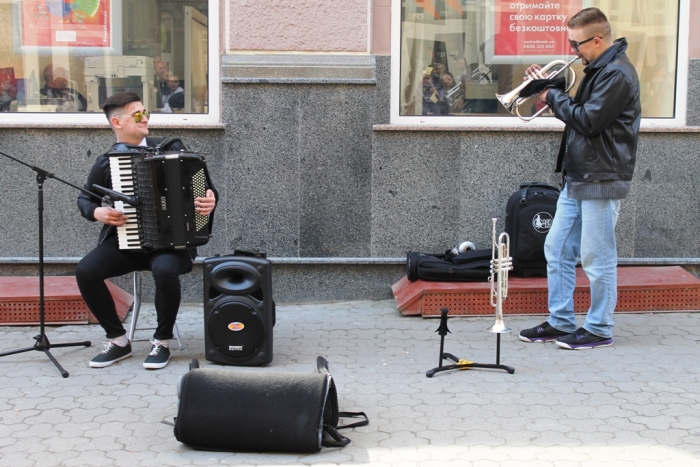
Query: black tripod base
{"points": [[465, 365], [42, 345]]}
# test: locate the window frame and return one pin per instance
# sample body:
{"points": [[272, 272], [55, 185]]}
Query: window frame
{"points": [[97, 119], [681, 81]]}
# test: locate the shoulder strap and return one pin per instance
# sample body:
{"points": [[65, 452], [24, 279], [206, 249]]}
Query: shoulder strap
{"points": [[364, 422], [337, 440], [166, 144]]}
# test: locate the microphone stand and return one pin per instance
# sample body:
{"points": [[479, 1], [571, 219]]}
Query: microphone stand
{"points": [[42, 343]]}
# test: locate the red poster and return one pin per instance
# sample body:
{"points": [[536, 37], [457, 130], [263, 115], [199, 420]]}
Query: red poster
{"points": [[528, 28], [66, 23]]}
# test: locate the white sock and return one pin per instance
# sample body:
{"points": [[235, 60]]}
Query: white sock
{"points": [[165, 343], [121, 341]]}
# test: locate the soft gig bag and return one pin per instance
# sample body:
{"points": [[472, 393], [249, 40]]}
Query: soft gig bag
{"points": [[228, 410], [529, 215], [470, 266]]}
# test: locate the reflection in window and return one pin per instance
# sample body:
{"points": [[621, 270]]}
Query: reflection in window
{"points": [[456, 55], [69, 56]]}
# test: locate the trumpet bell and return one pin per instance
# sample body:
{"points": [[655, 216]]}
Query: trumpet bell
{"points": [[499, 327]]}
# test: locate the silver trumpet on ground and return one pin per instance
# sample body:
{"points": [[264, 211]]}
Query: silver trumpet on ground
{"points": [[512, 100], [501, 263]]}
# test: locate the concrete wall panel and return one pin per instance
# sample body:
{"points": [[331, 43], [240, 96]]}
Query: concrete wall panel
{"points": [[336, 169], [298, 25]]}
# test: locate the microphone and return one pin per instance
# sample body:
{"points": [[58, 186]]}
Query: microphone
{"points": [[115, 195]]}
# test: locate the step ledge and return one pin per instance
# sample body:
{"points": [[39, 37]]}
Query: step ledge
{"points": [[349, 260], [199, 260]]}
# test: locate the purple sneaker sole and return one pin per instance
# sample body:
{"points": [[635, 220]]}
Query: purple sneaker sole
{"points": [[590, 345]]}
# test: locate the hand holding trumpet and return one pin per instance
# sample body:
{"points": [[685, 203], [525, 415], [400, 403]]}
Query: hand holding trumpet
{"points": [[534, 72], [532, 83]]}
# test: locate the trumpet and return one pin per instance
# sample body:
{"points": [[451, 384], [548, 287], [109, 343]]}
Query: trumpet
{"points": [[501, 263], [512, 100]]}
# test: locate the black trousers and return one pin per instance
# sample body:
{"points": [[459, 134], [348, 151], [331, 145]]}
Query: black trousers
{"points": [[107, 261]]}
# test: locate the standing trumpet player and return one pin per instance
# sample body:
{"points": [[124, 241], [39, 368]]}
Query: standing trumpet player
{"points": [[596, 159]]}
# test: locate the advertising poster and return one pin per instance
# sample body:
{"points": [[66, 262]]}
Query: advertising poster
{"points": [[532, 31], [66, 23]]}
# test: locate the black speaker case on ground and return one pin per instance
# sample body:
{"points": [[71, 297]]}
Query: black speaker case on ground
{"points": [[239, 311], [233, 410]]}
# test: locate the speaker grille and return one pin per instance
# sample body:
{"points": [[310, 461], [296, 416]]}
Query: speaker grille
{"points": [[213, 293], [236, 329], [258, 295]]}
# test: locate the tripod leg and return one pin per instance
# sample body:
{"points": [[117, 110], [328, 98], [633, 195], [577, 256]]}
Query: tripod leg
{"points": [[64, 373], [73, 344], [12, 352], [42, 343]]}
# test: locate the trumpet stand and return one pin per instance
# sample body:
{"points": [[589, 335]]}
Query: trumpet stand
{"points": [[501, 263]]}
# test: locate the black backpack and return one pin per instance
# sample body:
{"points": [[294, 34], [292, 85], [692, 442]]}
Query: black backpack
{"points": [[470, 266], [529, 215]]}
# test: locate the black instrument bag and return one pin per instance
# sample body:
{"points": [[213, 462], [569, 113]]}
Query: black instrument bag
{"points": [[470, 266], [529, 215], [261, 411]]}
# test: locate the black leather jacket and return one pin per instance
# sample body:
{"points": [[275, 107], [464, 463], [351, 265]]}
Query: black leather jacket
{"points": [[602, 121], [101, 175]]}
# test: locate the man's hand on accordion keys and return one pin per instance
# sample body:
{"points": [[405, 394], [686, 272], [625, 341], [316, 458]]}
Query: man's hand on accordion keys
{"points": [[110, 216], [206, 205]]}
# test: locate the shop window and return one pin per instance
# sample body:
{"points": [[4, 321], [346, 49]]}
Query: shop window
{"points": [[69, 56], [456, 56]]}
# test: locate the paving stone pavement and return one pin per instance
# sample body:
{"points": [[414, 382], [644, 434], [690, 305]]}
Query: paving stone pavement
{"points": [[633, 404]]}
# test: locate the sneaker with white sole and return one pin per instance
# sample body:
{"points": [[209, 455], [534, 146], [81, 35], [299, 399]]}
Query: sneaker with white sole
{"points": [[583, 340], [111, 353], [158, 358], [542, 333]]}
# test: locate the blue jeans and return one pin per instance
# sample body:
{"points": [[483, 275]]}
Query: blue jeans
{"points": [[584, 228]]}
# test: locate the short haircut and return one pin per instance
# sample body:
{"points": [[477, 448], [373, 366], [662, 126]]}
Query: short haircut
{"points": [[118, 101], [593, 19]]}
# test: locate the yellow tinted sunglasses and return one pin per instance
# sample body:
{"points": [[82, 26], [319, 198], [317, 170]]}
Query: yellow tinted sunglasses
{"points": [[138, 116]]}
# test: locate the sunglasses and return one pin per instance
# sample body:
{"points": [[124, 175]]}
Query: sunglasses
{"points": [[138, 116], [575, 45]]}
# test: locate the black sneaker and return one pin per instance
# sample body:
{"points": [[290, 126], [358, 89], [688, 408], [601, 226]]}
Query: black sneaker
{"points": [[582, 340], [158, 358], [542, 333], [112, 353]]}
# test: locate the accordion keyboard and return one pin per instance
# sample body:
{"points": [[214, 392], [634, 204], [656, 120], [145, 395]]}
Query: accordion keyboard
{"points": [[123, 182]]}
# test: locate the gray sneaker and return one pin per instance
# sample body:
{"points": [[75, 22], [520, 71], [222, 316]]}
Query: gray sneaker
{"points": [[112, 353], [158, 358], [542, 333]]}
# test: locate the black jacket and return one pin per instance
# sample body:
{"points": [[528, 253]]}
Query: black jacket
{"points": [[602, 121], [101, 175]]}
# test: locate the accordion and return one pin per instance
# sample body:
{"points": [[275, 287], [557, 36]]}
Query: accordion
{"points": [[166, 186]]}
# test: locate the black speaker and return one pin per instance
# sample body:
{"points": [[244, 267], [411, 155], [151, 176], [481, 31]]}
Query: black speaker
{"points": [[239, 312], [230, 410]]}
